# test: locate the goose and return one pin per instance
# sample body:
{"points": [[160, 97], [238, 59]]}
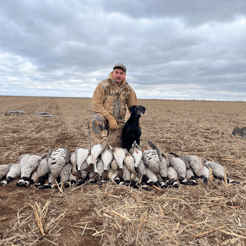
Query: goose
{"points": [[186, 159], [13, 173], [126, 175], [151, 160], [73, 179], [142, 171], [172, 176], [81, 155], [65, 176], [82, 173], [92, 177], [113, 176], [96, 151], [4, 170], [218, 171], [190, 177], [34, 177], [205, 174], [57, 159], [100, 168], [196, 163], [152, 178], [148, 176], [164, 163], [119, 155], [159, 162], [179, 165], [28, 164], [106, 157], [161, 183], [190, 174], [130, 164], [240, 131], [136, 152], [91, 168], [114, 165], [40, 175], [73, 161]]}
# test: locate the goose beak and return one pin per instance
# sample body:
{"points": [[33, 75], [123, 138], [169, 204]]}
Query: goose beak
{"points": [[232, 136]]}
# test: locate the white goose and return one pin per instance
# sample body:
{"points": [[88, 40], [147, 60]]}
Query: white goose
{"points": [[82, 173], [65, 176], [179, 165], [40, 175], [119, 155], [218, 171], [130, 164], [13, 173], [81, 156], [28, 164], [172, 177], [196, 163], [96, 151], [107, 157], [4, 170], [137, 153]]}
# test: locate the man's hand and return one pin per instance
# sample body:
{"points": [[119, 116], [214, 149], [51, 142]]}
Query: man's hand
{"points": [[112, 123]]}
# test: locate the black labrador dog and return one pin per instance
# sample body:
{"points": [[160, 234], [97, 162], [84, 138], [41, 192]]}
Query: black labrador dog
{"points": [[131, 131]]}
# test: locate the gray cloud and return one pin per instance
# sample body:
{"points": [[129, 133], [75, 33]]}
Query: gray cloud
{"points": [[190, 12], [181, 49]]}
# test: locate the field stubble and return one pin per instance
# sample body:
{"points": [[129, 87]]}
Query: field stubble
{"points": [[114, 215]]}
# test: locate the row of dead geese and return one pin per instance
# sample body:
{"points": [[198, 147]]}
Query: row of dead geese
{"points": [[136, 168]]}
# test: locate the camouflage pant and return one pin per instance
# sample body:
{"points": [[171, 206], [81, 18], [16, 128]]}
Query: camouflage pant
{"points": [[99, 132]]}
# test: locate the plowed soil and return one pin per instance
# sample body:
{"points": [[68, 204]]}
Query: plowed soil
{"points": [[93, 215]]}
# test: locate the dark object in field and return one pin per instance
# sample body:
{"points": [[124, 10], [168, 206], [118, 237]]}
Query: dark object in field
{"points": [[240, 131], [44, 114], [15, 112], [41, 113], [131, 131]]}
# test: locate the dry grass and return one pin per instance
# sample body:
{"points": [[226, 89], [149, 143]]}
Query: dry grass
{"points": [[192, 215], [34, 223], [119, 215]]}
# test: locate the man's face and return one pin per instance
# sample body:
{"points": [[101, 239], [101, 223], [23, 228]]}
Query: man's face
{"points": [[119, 75]]}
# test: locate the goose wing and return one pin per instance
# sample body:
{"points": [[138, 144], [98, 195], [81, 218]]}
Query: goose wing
{"points": [[153, 146]]}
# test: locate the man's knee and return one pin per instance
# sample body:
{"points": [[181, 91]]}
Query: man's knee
{"points": [[97, 123], [97, 129]]}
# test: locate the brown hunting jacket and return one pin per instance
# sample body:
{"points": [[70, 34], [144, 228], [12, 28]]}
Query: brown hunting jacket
{"points": [[110, 99]]}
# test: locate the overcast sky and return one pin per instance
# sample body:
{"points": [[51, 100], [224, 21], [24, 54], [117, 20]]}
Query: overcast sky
{"points": [[172, 49]]}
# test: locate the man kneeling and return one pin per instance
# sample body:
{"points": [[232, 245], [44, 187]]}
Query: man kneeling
{"points": [[109, 102]]}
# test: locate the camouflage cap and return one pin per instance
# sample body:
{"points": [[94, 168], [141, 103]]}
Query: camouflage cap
{"points": [[121, 66]]}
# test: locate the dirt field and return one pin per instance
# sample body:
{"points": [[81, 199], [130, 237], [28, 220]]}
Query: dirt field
{"points": [[113, 215]]}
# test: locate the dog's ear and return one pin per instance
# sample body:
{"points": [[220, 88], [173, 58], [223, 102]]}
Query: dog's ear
{"points": [[133, 109], [142, 109]]}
